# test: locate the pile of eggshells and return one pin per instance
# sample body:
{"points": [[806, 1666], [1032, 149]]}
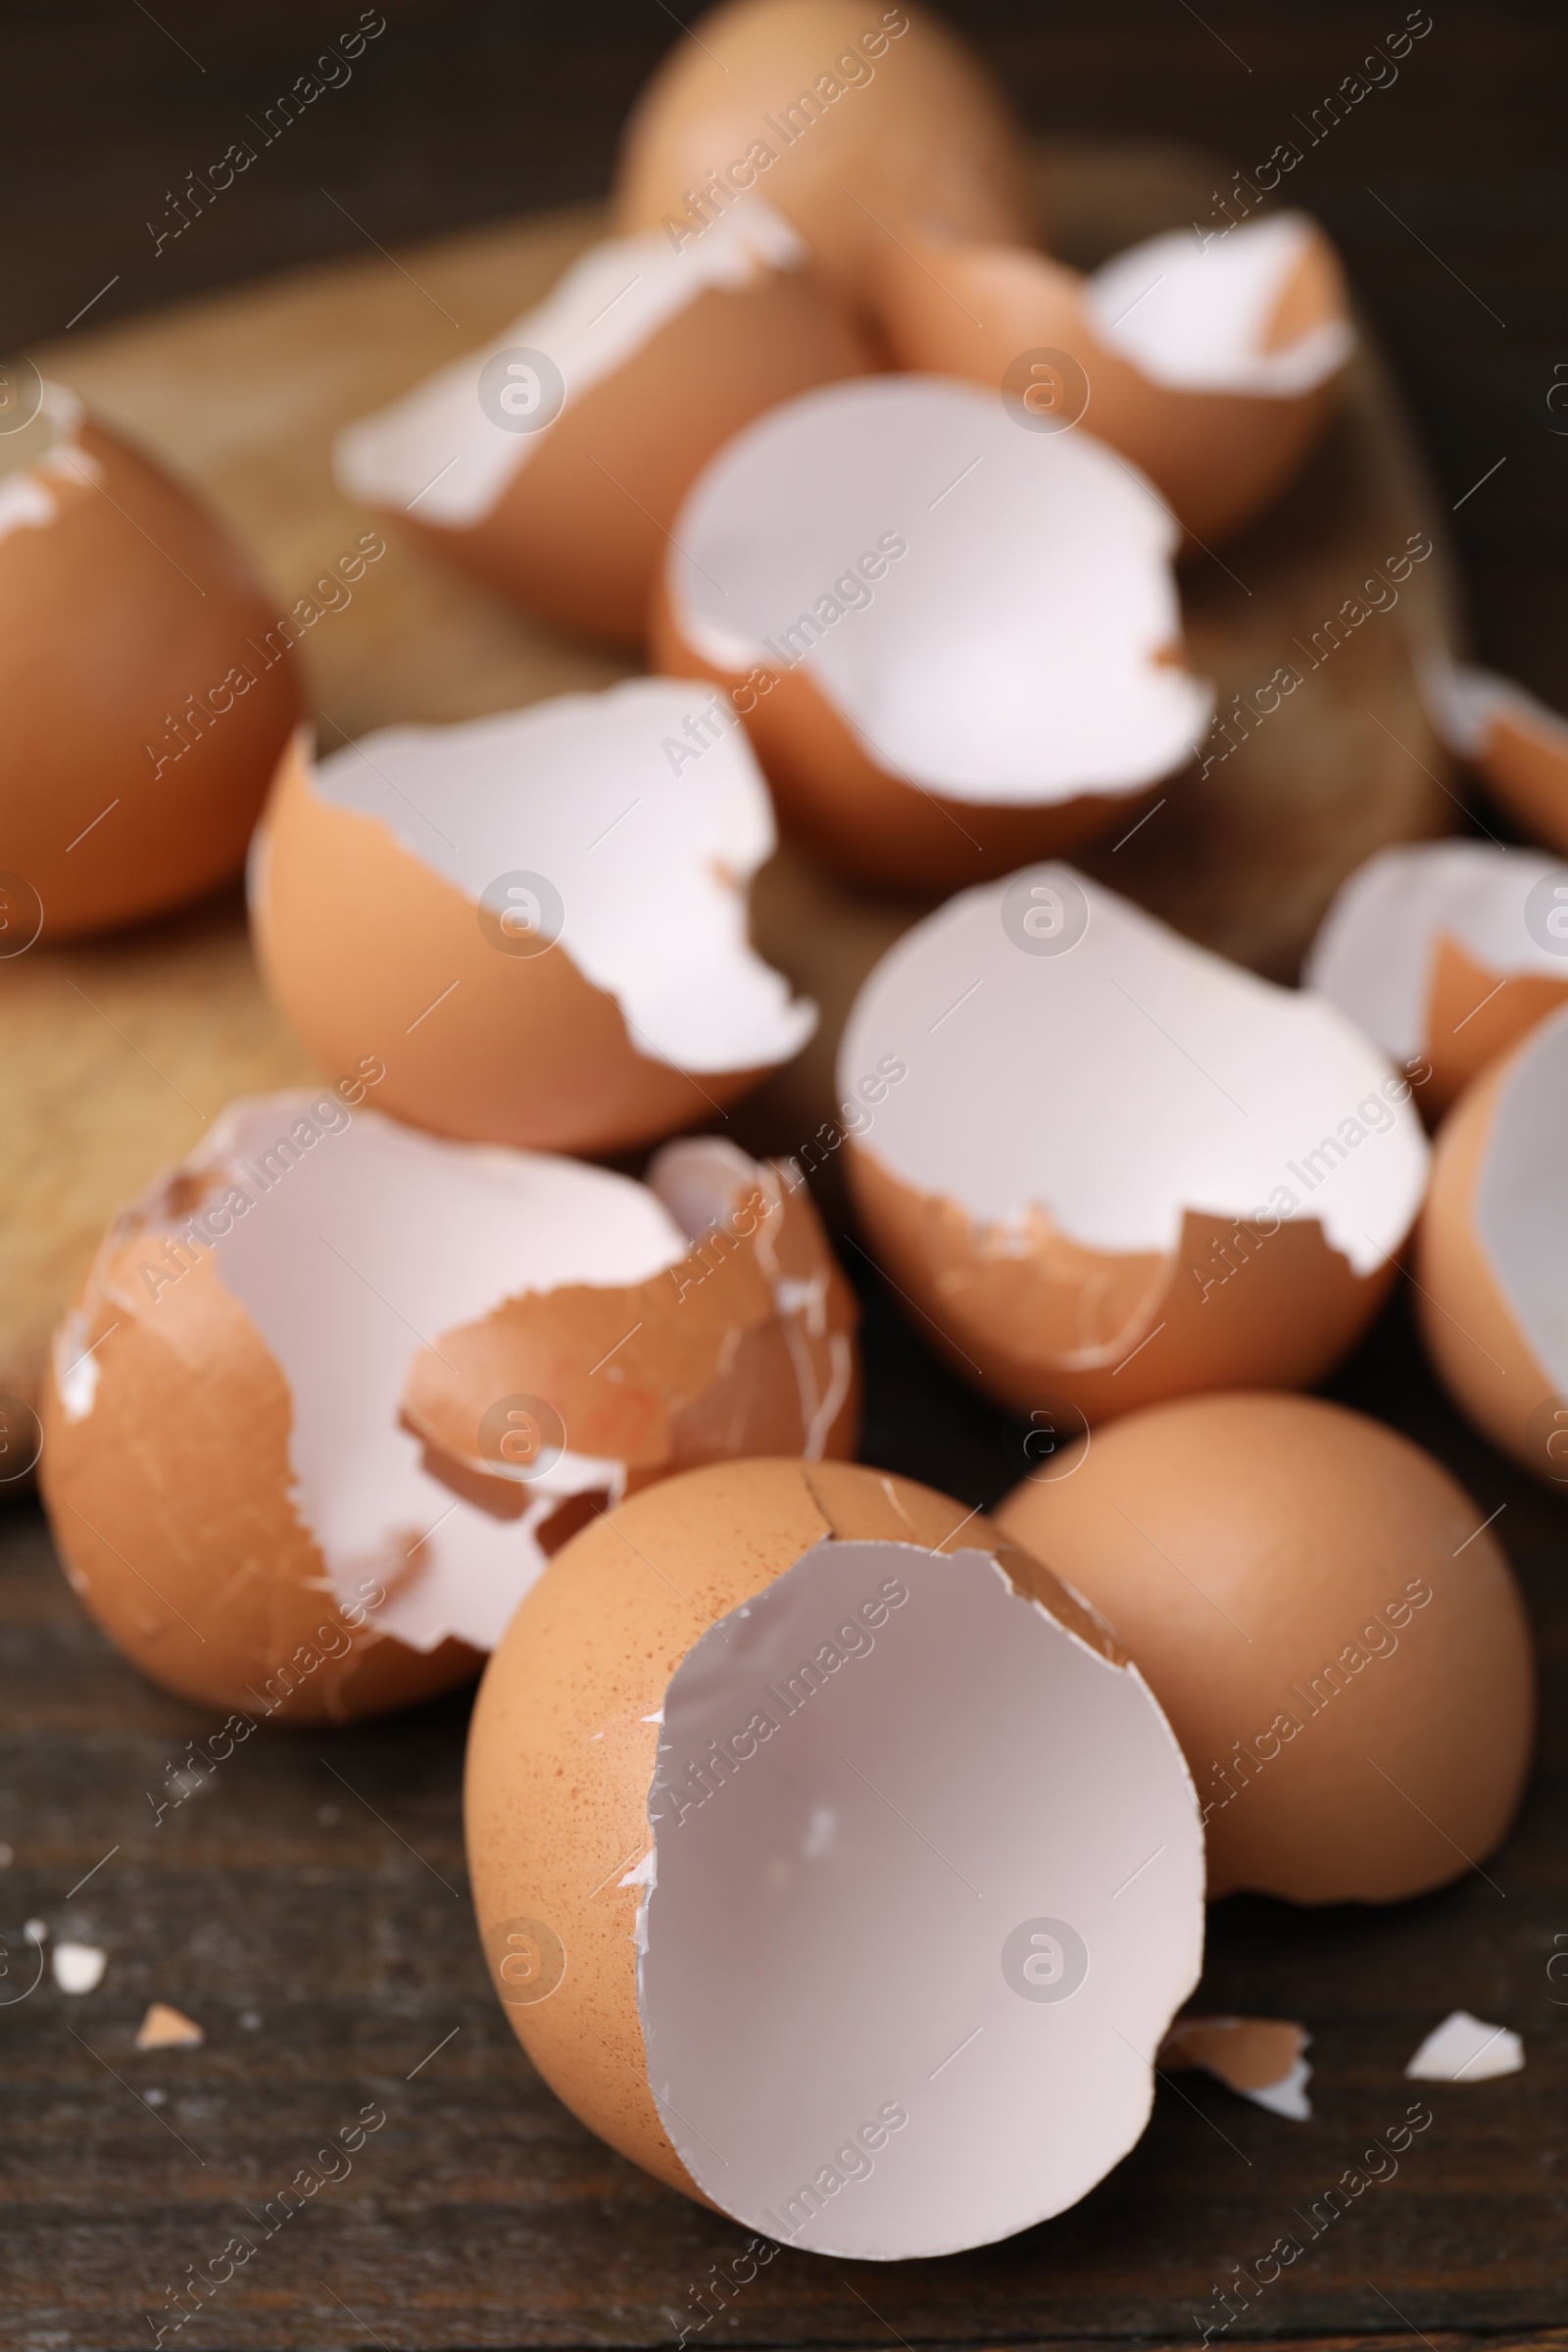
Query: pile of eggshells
{"points": [[839, 1854]]}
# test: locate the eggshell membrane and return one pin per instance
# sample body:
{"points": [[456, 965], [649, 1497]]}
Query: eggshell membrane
{"points": [[119, 598], [579, 526], [859, 725], [1241, 1545], [369, 950], [1516, 744], [1037, 1305], [209, 1559], [565, 1745], [1426, 947], [1219, 456], [927, 137], [1491, 1302]]}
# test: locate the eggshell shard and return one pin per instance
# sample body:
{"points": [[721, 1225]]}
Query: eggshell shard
{"points": [[954, 643], [854, 130], [239, 1493], [1260, 2058], [1466, 2049], [705, 1817], [1493, 1303], [1118, 1167], [536, 922], [552, 461], [1213, 368], [1340, 1645], [1515, 743], [148, 686], [1445, 953]]}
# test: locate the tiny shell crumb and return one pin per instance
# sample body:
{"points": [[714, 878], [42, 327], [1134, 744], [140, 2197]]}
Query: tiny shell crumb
{"points": [[1466, 2049], [79, 1966], [167, 2029], [38, 1929]]}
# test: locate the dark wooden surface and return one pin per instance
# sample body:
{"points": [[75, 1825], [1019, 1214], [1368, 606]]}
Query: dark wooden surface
{"points": [[316, 1886]]}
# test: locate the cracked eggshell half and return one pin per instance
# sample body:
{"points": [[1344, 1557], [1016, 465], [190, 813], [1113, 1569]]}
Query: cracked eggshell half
{"points": [[1493, 1301], [145, 703], [538, 922], [552, 461], [1443, 951], [1121, 1168], [956, 645], [1340, 1645], [709, 1825], [256, 1458], [1515, 743], [1215, 368], [857, 122]]}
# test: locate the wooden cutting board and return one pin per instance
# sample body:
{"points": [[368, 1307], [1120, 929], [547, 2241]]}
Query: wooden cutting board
{"points": [[116, 1054]]}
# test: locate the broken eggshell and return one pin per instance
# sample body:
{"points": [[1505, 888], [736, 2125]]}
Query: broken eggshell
{"points": [[1446, 953], [552, 461], [1337, 1639], [1260, 2058], [148, 685], [1492, 1304], [335, 1390], [1515, 743], [705, 1814], [956, 645], [1213, 368], [536, 922], [855, 129], [1121, 1167]]}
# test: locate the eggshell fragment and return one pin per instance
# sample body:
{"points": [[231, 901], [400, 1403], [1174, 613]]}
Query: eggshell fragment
{"points": [[1515, 743], [1120, 1168], [1213, 368], [78, 1967], [165, 2027], [956, 644], [538, 922], [255, 1459], [1340, 1645], [1464, 2048], [1260, 2058], [854, 124], [552, 462], [705, 1814], [148, 685], [1494, 1298], [1444, 953]]}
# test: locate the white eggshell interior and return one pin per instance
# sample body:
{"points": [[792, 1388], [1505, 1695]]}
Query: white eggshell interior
{"points": [[1194, 316], [653, 857], [437, 448], [1520, 1200], [1466, 2049], [1012, 653], [1125, 1081], [1374, 952], [362, 1242], [824, 1938]]}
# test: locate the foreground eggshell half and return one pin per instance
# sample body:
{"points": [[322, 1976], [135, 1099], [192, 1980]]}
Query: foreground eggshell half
{"points": [[1514, 742], [148, 684], [1493, 1301], [261, 1428], [707, 1813], [857, 122], [968, 635], [1340, 1645], [1443, 952], [538, 922], [552, 461], [1125, 1170], [1212, 367]]}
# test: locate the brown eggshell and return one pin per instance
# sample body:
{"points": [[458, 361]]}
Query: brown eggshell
{"points": [[580, 529], [1053, 1322], [148, 684], [917, 131], [1220, 458], [1346, 1659], [1475, 1017], [840, 805], [565, 1837], [1524, 759]]}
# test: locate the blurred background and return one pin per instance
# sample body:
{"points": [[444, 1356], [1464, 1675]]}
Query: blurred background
{"points": [[1446, 185]]}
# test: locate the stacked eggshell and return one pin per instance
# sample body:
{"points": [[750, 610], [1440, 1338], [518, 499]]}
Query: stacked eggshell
{"points": [[371, 1393]]}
